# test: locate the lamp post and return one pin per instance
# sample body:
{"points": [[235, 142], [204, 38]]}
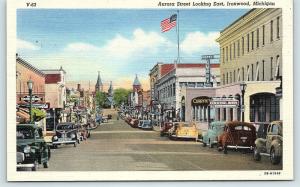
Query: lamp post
{"points": [[30, 85], [243, 87]]}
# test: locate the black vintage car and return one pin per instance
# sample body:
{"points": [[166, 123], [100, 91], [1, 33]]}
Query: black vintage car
{"points": [[32, 149], [65, 133]]}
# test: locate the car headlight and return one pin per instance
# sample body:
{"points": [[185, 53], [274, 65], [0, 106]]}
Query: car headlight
{"points": [[27, 149], [73, 136], [55, 138]]}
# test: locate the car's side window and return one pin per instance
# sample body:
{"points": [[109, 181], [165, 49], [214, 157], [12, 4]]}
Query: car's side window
{"points": [[274, 129], [269, 129]]}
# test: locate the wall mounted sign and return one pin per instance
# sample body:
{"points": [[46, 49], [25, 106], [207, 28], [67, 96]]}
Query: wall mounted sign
{"points": [[201, 101]]}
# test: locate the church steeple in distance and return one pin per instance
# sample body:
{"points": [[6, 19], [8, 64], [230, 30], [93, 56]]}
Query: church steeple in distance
{"points": [[99, 85], [136, 83], [110, 89]]}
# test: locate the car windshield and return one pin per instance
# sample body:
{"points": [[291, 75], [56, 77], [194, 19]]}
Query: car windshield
{"points": [[25, 134], [242, 127], [64, 127]]}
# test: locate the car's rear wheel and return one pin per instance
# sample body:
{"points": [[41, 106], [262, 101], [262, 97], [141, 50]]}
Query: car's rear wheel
{"points": [[274, 159], [211, 145], [204, 144], [256, 155], [75, 144]]}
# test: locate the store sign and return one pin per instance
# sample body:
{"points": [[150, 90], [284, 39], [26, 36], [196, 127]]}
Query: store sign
{"points": [[201, 101], [36, 105], [34, 98], [224, 102]]}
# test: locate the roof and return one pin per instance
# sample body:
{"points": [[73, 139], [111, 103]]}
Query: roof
{"points": [[99, 82], [29, 66], [136, 81], [238, 123], [166, 68]]}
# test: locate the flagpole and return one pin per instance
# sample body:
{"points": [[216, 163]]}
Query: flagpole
{"points": [[178, 52]]}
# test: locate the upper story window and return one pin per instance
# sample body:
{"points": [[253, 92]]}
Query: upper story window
{"points": [[278, 26], [248, 43], [252, 40], [243, 45], [238, 53], [230, 52], [234, 50], [271, 31], [226, 53], [257, 38], [223, 55], [263, 35]]}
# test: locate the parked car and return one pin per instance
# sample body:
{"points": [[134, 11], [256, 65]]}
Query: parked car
{"points": [[32, 149], [166, 128], [66, 133], [271, 145], [185, 130], [146, 125], [215, 129], [237, 135]]}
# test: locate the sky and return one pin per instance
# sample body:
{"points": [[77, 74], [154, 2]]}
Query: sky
{"points": [[117, 42]]}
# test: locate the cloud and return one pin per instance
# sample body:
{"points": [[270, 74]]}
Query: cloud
{"points": [[197, 42], [22, 44], [81, 47]]}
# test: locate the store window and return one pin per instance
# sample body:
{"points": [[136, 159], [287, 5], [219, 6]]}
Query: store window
{"points": [[264, 107]]}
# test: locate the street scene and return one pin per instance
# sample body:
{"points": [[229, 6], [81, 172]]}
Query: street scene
{"points": [[149, 90]]}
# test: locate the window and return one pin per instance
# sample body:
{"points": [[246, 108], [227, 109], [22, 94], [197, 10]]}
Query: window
{"points": [[230, 77], [252, 72], [263, 36], [275, 129], [263, 70], [271, 31], [238, 47], [233, 50], [277, 73], [223, 79], [238, 74], [271, 68], [243, 45], [248, 76], [257, 38], [243, 74], [230, 52], [257, 71], [252, 40], [234, 76], [174, 89], [278, 35], [248, 44], [227, 78], [226, 53], [223, 53]]}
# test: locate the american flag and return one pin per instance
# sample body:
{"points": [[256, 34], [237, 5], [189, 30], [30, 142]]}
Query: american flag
{"points": [[168, 23]]}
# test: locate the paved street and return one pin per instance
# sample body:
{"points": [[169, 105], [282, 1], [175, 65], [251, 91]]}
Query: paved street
{"points": [[116, 146]]}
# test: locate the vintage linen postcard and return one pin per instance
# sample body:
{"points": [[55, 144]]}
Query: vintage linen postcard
{"points": [[149, 90]]}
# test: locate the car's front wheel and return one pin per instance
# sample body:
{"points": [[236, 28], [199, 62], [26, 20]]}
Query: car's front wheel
{"points": [[225, 149], [35, 166], [46, 164], [256, 155], [274, 158]]}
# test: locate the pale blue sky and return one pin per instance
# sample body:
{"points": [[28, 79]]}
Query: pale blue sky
{"points": [[117, 42]]}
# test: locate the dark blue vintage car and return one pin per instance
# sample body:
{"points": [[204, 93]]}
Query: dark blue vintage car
{"points": [[65, 133], [32, 149]]}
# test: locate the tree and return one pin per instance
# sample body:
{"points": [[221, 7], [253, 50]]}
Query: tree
{"points": [[100, 99], [120, 96]]}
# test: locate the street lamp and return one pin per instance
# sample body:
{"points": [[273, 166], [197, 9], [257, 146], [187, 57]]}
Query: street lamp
{"points": [[30, 85], [243, 87]]}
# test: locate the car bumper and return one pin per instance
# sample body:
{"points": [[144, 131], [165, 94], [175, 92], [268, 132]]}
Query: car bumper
{"points": [[64, 142], [187, 137], [240, 147], [25, 165]]}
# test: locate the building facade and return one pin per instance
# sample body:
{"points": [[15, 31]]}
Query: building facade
{"points": [[251, 53], [180, 76]]}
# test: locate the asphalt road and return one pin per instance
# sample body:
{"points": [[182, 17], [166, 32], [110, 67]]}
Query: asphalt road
{"points": [[115, 146]]}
